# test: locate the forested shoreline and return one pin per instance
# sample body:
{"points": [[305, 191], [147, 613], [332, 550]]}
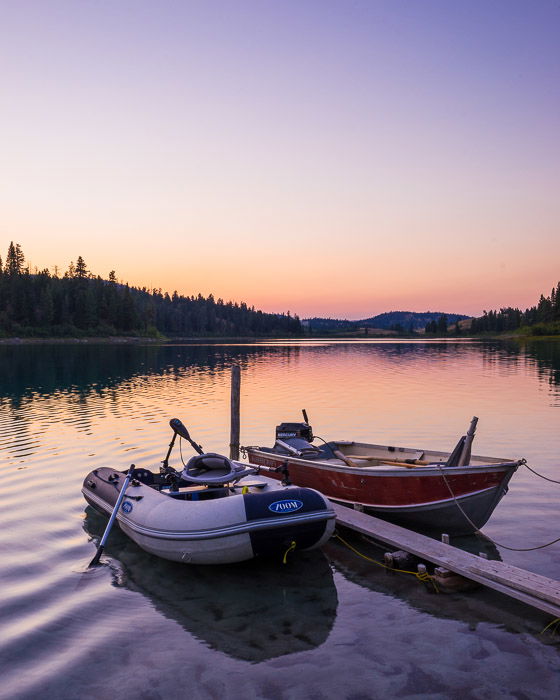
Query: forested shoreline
{"points": [[78, 303], [541, 319]]}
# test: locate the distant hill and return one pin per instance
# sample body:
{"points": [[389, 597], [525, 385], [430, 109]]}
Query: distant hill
{"points": [[388, 320], [329, 324], [408, 318]]}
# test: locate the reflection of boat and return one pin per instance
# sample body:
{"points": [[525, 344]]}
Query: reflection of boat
{"points": [[482, 605], [449, 492], [211, 512], [252, 611]]}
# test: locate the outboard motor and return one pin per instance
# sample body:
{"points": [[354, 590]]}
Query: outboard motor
{"points": [[295, 439]]}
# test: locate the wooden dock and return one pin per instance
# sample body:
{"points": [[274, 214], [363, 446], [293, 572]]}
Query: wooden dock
{"points": [[534, 590]]}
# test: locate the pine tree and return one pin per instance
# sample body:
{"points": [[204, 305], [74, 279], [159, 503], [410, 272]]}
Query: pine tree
{"points": [[14, 259], [81, 270], [442, 325]]}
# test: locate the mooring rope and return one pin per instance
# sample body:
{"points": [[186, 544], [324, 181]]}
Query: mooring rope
{"points": [[554, 623], [478, 531], [423, 576], [542, 476]]}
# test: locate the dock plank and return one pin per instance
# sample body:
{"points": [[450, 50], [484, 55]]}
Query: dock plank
{"points": [[533, 589]]}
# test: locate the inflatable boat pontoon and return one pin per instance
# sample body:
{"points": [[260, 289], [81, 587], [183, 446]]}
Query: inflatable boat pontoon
{"points": [[216, 511]]}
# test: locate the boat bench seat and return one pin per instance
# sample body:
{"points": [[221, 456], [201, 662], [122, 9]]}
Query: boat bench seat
{"points": [[250, 484], [195, 492]]}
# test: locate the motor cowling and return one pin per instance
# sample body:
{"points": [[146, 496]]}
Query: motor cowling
{"points": [[288, 431], [295, 439]]}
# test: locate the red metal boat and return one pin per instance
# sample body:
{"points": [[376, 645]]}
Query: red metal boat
{"points": [[450, 492]]}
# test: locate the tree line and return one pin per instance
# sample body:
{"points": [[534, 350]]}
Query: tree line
{"points": [[541, 319], [79, 303], [440, 327]]}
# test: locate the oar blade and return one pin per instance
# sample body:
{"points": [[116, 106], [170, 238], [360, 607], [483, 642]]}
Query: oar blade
{"points": [[95, 560], [97, 557]]}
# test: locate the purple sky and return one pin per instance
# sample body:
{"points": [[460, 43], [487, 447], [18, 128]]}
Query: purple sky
{"points": [[331, 158]]}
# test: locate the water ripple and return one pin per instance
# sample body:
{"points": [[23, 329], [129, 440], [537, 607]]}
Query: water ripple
{"points": [[69, 633]]}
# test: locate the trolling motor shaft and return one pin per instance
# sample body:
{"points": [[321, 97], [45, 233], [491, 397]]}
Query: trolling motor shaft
{"points": [[178, 429]]}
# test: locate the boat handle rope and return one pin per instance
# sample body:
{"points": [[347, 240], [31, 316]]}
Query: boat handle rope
{"points": [[423, 577], [290, 549], [478, 531]]}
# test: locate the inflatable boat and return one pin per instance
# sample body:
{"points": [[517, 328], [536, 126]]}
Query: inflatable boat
{"points": [[215, 511]]}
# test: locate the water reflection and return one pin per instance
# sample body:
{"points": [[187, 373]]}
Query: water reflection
{"points": [[45, 368], [69, 409], [547, 356], [253, 611], [473, 607]]}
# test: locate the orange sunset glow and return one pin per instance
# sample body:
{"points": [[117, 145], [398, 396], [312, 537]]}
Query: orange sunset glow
{"points": [[392, 158]]}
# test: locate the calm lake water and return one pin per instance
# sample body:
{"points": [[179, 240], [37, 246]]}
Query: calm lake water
{"points": [[326, 625]]}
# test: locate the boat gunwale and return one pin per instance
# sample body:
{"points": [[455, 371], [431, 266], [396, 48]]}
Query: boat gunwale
{"points": [[406, 470], [403, 450]]}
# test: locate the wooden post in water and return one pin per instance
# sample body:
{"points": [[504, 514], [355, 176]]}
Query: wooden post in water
{"points": [[235, 402]]}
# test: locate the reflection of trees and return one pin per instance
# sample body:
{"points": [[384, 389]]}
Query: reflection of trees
{"points": [[89, 368], [546, 355], [86, 369], [542, 356]]}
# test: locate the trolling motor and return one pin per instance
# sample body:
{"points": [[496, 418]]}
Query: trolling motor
{"points": [[178, 429], [171, 475], [206, 468], [210, 468]]}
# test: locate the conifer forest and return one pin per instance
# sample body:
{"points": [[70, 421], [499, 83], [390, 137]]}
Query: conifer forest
{"points": [[79, 303]]}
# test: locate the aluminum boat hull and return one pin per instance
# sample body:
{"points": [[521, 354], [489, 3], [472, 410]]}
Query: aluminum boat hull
{"points": [[453, 500]]}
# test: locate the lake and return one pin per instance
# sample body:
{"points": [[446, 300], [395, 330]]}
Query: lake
{"points": [[327, 625]]}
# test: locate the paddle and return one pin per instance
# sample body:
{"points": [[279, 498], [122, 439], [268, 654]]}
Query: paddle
{"points": [[394, 462], [95, 560], [345, 459]]}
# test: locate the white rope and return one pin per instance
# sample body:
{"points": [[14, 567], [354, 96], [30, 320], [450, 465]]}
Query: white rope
{"points": [[478, 531]]}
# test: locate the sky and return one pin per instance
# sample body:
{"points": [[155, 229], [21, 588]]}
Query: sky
{"points": [[330, 158]]}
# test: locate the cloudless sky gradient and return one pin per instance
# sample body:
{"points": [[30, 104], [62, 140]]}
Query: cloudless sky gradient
{"points": [[332, 158]]}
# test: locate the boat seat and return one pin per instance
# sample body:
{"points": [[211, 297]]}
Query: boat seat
{"points": [[212, 468], [251, 485]]}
